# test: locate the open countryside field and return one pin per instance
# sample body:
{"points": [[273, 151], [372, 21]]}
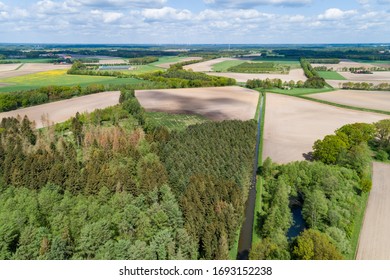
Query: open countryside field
{"points": [[218, 103], [331, 75], [60, 111], [374, 242], [8, 67], [168, 62], [295, 75], [30, 68], [207, 66], [376, 76], [292, 125], [345, 63], [56, 77], [378, 100]]}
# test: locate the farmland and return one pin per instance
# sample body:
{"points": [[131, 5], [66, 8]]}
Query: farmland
{"points": [[377, 100], [331, 75], [29, 68], [222, 103], [56, 77], [294, 74], [60, 111], [293, 125], [374, 243]]}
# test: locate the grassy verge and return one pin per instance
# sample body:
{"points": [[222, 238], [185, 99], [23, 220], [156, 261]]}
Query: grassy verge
{"points": [[330, 75], [259, 183], [357, 227], [300, 91], [233, 252]]}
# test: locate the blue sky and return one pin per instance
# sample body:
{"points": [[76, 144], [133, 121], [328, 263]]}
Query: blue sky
{"points": [[195, 21]]}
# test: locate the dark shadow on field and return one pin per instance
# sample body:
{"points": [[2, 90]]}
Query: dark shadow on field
{"points": [[212, 108], [308, 156]]}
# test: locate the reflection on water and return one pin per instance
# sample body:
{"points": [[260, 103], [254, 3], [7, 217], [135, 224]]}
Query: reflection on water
{"points": [[298, 222]]}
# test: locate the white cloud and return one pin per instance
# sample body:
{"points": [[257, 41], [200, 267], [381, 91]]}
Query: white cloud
{"points": [[166, 13], [2, 6], [54, 8], [336, 14], [254, 3], [107, 17], [123, 3]]}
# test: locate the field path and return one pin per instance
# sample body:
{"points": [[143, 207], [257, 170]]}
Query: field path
{"points": [[374, 242], [61, 111]]}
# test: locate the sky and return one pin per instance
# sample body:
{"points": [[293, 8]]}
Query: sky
{"points": [[195, 21]]}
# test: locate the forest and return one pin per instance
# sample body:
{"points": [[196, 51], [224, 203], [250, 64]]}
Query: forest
{"points": [[105, 186], [329, 192]]}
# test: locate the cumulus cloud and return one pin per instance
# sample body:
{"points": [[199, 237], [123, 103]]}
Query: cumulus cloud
{"points": [[123, 3], [107, 17], [55, 8], [255, 3], [166, 13], [336, 14], [2, 6]]}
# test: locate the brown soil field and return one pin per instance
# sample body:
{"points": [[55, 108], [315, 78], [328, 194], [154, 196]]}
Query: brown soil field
{"points": [[338, 83], [217, 103], [295, 75], [379, 100], [345, 63], [376, 76], [374, 241], [30, 68], [207, 66], [292, 125], [61, 111], [8, 67], [167, 65]]}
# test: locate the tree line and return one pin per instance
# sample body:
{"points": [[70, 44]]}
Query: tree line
{"points": [[328, 192]]}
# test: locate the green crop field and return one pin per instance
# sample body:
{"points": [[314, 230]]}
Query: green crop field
{"points": [[330, 75], [300, 91], [173, 121], [260, 67], [57, 77], [166, 59], [293, 63], [225, 65]]}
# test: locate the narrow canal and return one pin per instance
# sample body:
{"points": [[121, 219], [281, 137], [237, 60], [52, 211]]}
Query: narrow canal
{"points": [[245, 241]]}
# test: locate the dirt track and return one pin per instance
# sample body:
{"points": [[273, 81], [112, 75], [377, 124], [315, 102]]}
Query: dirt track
{"points": [[62, 110], [295, 75], [379, 100], [30, 68], [374, 242], [218, 103], [292, 125]]}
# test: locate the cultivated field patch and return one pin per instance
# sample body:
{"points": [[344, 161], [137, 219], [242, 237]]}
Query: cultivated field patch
{"points": [[294, 74], [377, 100], [374, 242], [30, 68], [207, 66], [218, 103], [60, 111], [292, 125], [168, 64]]}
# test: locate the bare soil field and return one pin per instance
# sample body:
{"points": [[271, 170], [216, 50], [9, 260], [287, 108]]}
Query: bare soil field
{"points": [[345, 63], [292, 125], [379, 100], [167, 65], [338, 83], [207, 66], [30, 68], [8, 67], [295, 75], [112, 61], [61, 111], [376, 76], [218, 103], [374, 241]]}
